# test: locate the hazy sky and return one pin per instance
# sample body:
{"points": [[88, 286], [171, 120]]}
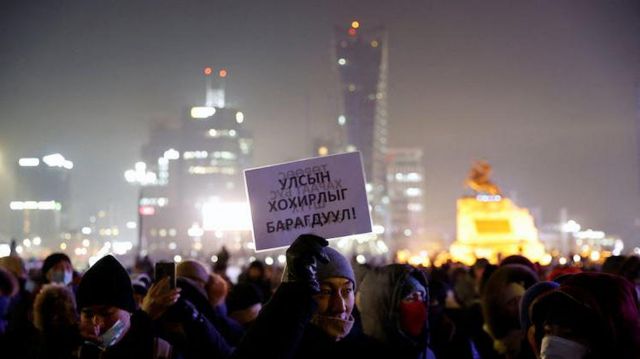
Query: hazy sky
{"points": [[546, 91]]}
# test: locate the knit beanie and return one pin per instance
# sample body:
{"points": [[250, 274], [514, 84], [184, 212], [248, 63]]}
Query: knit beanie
{"points": [[338, 266], [52, 260], [106, 283]]}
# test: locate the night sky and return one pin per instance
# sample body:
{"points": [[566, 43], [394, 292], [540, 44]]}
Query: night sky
{"points": [[546, 91]]}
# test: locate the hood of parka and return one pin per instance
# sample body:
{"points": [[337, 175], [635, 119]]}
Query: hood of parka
{"points": [[378, 302]]}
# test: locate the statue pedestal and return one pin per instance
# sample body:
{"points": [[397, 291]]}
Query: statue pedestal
{"points": [[493, 227]]}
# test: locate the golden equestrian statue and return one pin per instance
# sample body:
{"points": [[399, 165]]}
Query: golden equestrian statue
{"points": [[479, 179]]}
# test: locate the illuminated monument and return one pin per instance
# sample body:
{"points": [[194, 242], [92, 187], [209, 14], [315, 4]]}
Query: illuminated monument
{"points": [[490, 225]]}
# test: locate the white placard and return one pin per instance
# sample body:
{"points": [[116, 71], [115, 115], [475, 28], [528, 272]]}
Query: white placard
{"points": [[325, 196]]}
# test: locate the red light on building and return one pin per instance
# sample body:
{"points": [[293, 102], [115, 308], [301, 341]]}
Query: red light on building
{"points": [[147, 211], [223, 73], [352, 32], [208, 70]]}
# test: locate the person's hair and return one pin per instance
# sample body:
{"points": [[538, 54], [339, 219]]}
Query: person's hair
{"points": [[8, 283], [54, 308]]}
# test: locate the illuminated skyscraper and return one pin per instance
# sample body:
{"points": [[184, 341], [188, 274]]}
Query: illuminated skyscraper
{"points": [[42, 197], [405, 178], [191, 177], [361, 57]]}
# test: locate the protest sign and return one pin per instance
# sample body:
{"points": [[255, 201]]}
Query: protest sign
{"points": [[325, 196]]}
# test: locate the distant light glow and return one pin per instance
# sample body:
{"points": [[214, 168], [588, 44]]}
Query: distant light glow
{"points": [[282, 259], [342, 120], [361, 259], [595, 256], [352, 32], [232, 133], [413, 192], [208, 71], [29, 162], [147, 211], [37, 241], [226, 216], [355, 24], [132, 225], [577, 258], [57, 160], [121, 248], [195, 231], [35, 205], [374, 43], [239, 117], [177, 258], [214, 258], [323, 151], [342, 61], [171, 154], [202, 112], [268, 261], [86, 230], [378, 229], [223, 73], [562, 261], [5, 250]]}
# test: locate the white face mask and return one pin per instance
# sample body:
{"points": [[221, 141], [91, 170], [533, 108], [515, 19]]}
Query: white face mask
{"points": [[63, 277], [111, 336], [554, 347]]}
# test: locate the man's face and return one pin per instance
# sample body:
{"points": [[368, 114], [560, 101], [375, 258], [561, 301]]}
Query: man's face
{"points": [[336, 298], [97, 319]]}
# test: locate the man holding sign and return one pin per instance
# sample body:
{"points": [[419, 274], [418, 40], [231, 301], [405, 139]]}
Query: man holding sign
{"points": [[324, 195], [310, 315]]}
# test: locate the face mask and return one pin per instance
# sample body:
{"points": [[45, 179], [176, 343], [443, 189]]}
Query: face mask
{"points": [[30, 286], [334, 327], [63, 277], [111, 336], [413, 317], [554, 347]]}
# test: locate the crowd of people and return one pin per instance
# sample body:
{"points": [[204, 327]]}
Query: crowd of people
{"points": [[324, 307]]}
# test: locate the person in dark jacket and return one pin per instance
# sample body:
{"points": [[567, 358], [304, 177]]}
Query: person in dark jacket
{"points": [[109, 323], [196, 284], [590, 315], [394, 301], [311, 313]]}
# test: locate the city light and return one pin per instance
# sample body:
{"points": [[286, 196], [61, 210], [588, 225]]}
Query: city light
{"points": [[86, 230], [226, 216], [29, 162], [342, 61], [5, 250], [208, 71], [223, 73], [323, 151], [239, 117], [57, 160], [35, 205], [342, 120], [171, 154], [202, 112], [355, 24]]}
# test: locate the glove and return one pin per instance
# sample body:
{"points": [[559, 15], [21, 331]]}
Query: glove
{"points": [[302, 257]]}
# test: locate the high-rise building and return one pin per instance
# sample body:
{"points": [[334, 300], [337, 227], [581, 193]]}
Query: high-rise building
{"points": [[192, 191], [42, 198], [406, 182], [361, 59]]}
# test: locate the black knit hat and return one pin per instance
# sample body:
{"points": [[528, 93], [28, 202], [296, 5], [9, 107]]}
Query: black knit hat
{"points": [[106, 283], [52, 260]]}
